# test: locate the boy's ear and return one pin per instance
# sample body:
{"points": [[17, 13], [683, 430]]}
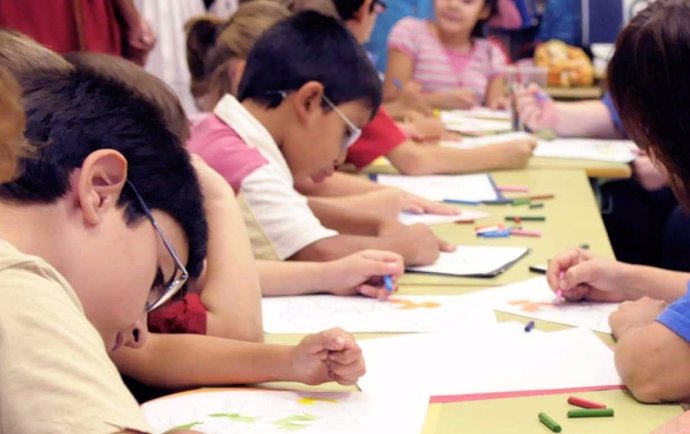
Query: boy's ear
{"points": [[99, 183], [307, 99], [363, 11]]}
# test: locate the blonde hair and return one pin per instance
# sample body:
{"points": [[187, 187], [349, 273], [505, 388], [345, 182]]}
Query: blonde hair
{"points": [[212, 44], [21, 55], [12, 125]]}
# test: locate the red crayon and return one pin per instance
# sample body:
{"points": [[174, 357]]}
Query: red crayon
{"points": [[579, 402]]}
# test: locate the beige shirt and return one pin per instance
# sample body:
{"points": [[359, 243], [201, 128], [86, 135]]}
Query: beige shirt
{"points": [[55, 374]]}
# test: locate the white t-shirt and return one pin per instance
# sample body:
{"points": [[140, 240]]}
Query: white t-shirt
{"points": [[237, 146]]}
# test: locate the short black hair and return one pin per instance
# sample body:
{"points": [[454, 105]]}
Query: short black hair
{"points": [[310, 46], [71, 114], [648, 79], [347, 8]]}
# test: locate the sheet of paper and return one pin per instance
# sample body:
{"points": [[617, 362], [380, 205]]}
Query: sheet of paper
{"points": [[487, 360], [272, 411], [467, 215], [616, 151], [534, 299], [474, 126], [439, 187], [400, 313], [477, 142], [474, 261]]}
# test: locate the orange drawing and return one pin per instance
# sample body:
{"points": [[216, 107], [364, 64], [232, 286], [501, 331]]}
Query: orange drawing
{"points": [[409, 304], [530, 306]]}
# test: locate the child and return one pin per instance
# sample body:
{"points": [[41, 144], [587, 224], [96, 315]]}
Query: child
{"points": [[455, 66], [382, 136], [76, 196], [643, 201], [11, 126], [218, 308], [652, 353], [268, 141]]}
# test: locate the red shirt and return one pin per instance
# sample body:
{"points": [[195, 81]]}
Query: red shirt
{"points": [[187, 315], [379, 137], [65, 25]]}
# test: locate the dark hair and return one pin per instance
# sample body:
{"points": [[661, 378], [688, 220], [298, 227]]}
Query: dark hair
{"points": [[479, 30], [648, 78], [347, 8], [310, 46], [72, 114], [141, 82]]}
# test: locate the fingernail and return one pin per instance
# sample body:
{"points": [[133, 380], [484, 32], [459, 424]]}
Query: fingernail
{"points": [[340, 340]]}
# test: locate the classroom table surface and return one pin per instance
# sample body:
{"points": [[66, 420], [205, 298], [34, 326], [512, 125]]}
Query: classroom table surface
{"points": [[593, 169], [518, 414], [572, 219]]}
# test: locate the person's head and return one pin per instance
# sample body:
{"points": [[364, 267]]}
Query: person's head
{"points": [[359, 16], [21, 54], [307, 65], [464, 16], [138, 80], [648, 79], [99, 148], [217, 49], [11, 126]]}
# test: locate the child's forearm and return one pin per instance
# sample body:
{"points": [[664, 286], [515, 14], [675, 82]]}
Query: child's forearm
{"points": [[231, 291], [339, 184], [178, 361], [640, 281], [294, 277], [345, 219], [585, 119], [495, 91], [412, 159]]}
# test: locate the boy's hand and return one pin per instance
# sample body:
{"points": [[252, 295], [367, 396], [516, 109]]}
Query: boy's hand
{"points": [[579, 275], [537, 113], [418, 205], [678, 425], [513, 154], [332, 355], [362, 273], [632, 314], [426, 129]]}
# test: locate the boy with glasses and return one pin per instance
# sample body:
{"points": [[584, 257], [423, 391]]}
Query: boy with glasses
{"points": [[306, 91]]}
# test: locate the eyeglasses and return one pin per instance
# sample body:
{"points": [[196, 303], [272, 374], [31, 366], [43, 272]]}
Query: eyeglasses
{"points": [[160, 291], [354, 133], [378, 6]]}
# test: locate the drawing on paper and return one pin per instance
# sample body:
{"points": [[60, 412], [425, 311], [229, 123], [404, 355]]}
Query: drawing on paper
{"points": [[409, 304], [269, 412]]}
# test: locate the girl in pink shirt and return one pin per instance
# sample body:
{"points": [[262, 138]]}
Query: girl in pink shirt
{"points": [[455, 67]]}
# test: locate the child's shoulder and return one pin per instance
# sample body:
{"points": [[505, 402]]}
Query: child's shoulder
{"points": [[209, 130], [411, 24]]}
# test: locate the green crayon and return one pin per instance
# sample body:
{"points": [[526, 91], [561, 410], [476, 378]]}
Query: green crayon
{"points": [[550, 423], [591, 412]]}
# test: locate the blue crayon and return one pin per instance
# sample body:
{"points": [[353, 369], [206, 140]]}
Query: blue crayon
{"points": [[529, 326], [388, 283]]}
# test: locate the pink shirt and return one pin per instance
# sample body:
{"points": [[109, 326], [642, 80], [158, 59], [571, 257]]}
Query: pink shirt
{"points": [[438, 68], [224, 149]]}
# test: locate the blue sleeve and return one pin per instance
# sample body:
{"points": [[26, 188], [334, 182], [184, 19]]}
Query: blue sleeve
{"points": [[615, 118], [677, 317]]}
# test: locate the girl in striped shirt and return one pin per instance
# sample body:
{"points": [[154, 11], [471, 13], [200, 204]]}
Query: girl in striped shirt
{"points": [[455, 67]]}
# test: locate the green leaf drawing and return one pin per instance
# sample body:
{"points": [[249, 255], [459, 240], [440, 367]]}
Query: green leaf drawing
{"points": [[235, 417]]}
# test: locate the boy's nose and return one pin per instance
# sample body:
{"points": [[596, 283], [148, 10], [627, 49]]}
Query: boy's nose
{"points": [[137, 334]]}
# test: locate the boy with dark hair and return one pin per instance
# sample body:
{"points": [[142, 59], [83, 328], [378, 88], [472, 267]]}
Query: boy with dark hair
{"points": [[306, 92], [89, 245]]}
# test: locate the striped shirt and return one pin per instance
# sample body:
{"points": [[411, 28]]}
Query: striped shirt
{"points": [[438, 68]]}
